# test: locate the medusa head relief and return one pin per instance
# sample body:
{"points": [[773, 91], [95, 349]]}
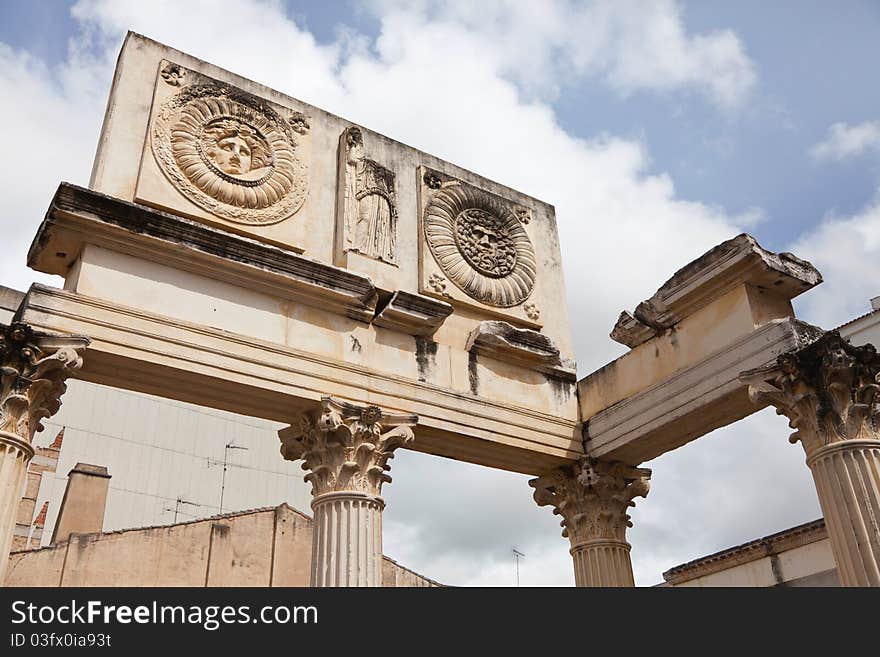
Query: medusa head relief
{"points": [[480, 244], [231, 154]]}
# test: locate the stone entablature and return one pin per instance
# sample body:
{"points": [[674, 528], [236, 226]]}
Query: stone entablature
{"points": [[210, 273], [737, 261], [724, 312]]}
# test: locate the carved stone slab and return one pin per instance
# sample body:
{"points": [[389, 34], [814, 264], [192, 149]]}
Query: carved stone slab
{"points": [[476, 248], [218, 153], [366, 206]]}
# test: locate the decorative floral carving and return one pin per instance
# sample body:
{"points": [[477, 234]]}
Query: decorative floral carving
{"points": [[173, 74], [592, 498], [231, 154], [829, 390], [346, 447], [33, 367], [437, 283], [524, 215], [299, 122], [370, 202], [432, 180], [480, 244], [532, 312]]}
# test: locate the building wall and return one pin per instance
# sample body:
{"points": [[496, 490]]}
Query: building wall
{"points": [[266, 547], [158, 451]]}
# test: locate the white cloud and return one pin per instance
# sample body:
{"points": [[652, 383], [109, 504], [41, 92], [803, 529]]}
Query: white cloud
{"points": [[460, 81], [633, 45], [844, 141], [847, 252]]}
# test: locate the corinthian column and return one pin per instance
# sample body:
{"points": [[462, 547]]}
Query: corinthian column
{"points": [[829, 391], [592, 498], [346, 449], [33, 367]]}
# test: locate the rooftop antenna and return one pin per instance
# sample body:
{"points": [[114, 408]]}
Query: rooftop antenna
{"points": [[517, 555], [229, 445], [177, 507]]}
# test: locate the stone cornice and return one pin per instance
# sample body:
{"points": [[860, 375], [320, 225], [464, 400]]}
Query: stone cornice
{"points": [[414, 314], [829, 390], [77, 216], [33, 368], [592, 498], [737, 261], [692, 402], [346, 447], [524, 347]]}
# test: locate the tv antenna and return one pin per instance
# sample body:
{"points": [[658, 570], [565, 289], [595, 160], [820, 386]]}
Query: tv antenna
{"points": [[177, 508], [229, 445], [517, 555]]}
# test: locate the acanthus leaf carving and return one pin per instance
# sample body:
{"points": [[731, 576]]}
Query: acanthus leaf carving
{"points": [[33, 370], [829, 390], [346, 447], [592, 498]]}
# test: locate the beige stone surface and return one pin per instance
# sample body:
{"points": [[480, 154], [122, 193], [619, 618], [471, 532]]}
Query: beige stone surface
{"points": [[592, 498], [126, 168], [265, 547], [708, 304], [154, 354], [828, 390]]}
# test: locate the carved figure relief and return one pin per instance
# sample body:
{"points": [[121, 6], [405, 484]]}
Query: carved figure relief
{"points": [[479, 242], [370, 203], [231, 154]]}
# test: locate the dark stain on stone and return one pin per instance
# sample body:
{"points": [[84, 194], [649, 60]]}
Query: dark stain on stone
{"points": [[472, 372], [562, 389], [355, 344], [426, 356]]}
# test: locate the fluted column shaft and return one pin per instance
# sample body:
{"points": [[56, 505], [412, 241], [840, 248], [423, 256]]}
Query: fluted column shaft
{"points": [[33, 369], [830, 392], [602, 563], [346, 449], [15, 454], [347, 540], [592, 498], [847, 477]]}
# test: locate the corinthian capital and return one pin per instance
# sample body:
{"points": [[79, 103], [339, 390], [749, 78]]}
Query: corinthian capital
{"points": [[33, 368], [346, 447], [592, 498], [829, 390]]}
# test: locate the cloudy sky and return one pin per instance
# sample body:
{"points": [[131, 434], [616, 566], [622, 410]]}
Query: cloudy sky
{"points": [[657, 129]]}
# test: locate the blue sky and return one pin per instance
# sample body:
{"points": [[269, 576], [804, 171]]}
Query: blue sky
{"points": [[657, 129]]}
